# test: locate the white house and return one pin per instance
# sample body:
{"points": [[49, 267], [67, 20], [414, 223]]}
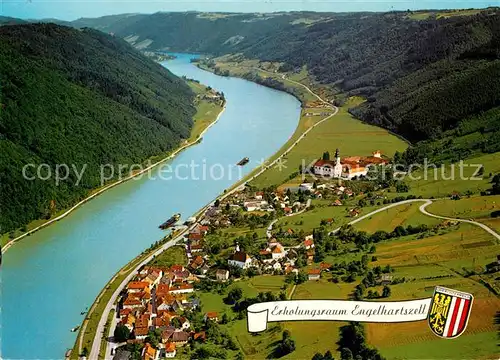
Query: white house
{"points": [[182, 289], [240, 259], [170, 351], [278, 252]]}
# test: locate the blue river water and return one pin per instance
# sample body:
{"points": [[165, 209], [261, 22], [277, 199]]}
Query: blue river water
{"points": [[53, 275]]}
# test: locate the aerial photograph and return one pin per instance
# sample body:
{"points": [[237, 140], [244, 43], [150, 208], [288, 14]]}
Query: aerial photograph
{"points": [[250, 179]]}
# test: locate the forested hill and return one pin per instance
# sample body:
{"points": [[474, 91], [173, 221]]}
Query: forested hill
{"points": [[78, 97], [421, 72]]}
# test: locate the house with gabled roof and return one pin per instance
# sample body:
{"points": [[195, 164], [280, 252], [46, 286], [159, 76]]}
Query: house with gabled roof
{"points": [[240, 259], [314, 274], [149, 353]]}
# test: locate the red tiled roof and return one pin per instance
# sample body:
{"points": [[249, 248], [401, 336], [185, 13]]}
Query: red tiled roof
{"points": [[277, 250], [170, 347], [212, 315], [240, 256], [314, 272], [195, 236], [308, 242], [162, 321], [176, 268], [137, 285], [180, 336], [181, 287], [201, 335], [324, 266], [324, 163], [132, 301], [141, 331]]}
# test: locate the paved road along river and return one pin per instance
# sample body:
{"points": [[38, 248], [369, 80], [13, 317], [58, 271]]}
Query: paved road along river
{"points": [[53, 275]]}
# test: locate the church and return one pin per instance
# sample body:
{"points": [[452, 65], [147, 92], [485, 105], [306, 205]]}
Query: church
{"points": [[347, 168]]}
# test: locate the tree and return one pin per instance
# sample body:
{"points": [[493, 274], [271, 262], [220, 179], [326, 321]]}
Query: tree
{"points": [[317, 356], [328, 356], [176, 323], [287, 344], [121, 333], [85, 352], [346, 354], [386, 292], [154, 337], [217, 203], [234, 295], [225, 319]]}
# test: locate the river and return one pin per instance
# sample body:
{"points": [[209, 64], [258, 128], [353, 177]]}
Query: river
{"points": [[53, 275]]}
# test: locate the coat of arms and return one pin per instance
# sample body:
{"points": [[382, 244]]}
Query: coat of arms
{"points": [[449, 312]]}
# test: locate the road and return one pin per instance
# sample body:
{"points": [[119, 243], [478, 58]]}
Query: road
{"points": [[481, 225], [96, 345], [423, 211]]}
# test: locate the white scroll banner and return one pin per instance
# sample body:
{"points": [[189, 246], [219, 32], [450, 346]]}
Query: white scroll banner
{"points": [[336, 310]]}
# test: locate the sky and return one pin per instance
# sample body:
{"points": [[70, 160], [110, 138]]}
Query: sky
{"points": [[73, 9]]}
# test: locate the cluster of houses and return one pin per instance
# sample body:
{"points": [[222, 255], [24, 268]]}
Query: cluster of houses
{"points": [[278, 200], [349, 167], [274, 257], [152, 300]]}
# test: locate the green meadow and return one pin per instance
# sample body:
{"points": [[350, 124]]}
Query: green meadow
{"points": [[342, 131]]}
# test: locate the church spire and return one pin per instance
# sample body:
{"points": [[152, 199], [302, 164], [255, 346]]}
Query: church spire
{"points": [[337, 154]]}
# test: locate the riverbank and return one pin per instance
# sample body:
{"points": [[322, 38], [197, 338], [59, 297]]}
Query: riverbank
{"points": [[208, 113], [90, 337]]}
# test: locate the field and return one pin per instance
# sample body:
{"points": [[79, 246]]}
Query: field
{"points": [[441, 256], [423, 15], [311, 219], [206, 112], [240, 67], [439, 184], [174, 255], [476, 207], [440, 259], [404, 215], [342, 131]]}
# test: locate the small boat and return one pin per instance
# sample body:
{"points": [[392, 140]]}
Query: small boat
{"points": [[170, 222], [243, 161], [83, 313], [75, 328]]}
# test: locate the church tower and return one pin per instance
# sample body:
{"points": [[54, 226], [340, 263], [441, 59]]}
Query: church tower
{"points": [[337, 170]]}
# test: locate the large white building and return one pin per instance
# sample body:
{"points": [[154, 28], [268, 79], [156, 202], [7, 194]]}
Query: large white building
{"points": [[348, 168]]}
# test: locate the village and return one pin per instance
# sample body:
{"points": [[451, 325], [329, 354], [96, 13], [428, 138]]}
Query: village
{"points": [[157, 304]]}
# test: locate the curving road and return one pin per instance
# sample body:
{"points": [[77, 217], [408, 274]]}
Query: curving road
{"points": [[481, 225], [423, 211]]}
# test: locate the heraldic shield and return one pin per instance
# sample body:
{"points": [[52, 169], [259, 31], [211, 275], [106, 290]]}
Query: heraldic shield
{"points": [[449, 312]]}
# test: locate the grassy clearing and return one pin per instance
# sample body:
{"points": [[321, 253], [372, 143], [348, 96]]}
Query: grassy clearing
{"points": [[342, 131], [476, 207], [438, 183], [311, 219], [403, 215], [206, 111], [174, 255], [424, 15]]}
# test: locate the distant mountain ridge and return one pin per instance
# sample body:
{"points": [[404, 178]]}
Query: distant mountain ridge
{"points": [[78, 97], [412, 67]]}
